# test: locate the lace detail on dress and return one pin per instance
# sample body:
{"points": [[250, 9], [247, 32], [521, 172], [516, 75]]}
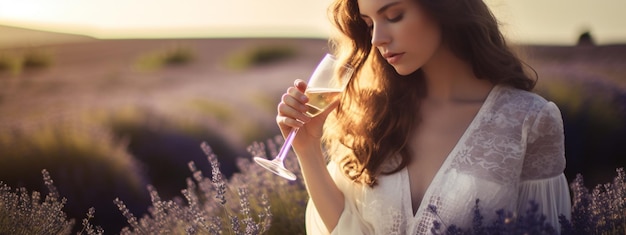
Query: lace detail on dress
{"points": [[545, 154], [516, 136], [495, 149]]}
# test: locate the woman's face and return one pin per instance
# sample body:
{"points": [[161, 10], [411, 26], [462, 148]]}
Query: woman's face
{"points": [[404, 34]]}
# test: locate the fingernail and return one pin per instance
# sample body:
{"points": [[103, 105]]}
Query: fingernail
{"points": [[303, 98]]}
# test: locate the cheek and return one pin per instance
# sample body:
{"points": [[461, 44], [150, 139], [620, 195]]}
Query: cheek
{"points": [[425, 30], [424, 39], [426, 35], [421, 44]]}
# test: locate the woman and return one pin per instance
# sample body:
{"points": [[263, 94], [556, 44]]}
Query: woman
{"points": [[438, 113]]}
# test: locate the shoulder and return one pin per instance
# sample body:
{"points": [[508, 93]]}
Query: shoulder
{"points": [[509, 107], [519, 101], [527, 108], [521, 98]]}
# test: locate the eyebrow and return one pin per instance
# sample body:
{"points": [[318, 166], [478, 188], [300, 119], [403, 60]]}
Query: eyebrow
{"points": [[384, 8]]}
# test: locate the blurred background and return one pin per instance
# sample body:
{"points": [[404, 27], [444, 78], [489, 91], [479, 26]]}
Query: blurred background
{"points": [[110, 96]]}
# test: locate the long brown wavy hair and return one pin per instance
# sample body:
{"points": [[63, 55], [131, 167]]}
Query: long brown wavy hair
{"points": [[378, 111]]}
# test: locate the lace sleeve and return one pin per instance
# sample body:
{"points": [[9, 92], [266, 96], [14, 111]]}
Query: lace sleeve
{"points": [[545, 151], [542, 178]]}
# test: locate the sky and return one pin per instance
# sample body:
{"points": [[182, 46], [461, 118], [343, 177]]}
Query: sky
{"points": [[525, 21]]}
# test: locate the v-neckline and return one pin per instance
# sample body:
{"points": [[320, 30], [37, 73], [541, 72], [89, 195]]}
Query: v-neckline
{"points": [[427, 194]]}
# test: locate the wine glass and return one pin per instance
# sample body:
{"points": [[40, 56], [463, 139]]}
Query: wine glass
{"points": [[327, 82]]}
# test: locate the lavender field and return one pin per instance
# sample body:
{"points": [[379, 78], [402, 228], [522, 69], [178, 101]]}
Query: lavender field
{"points": [[120, 120]]}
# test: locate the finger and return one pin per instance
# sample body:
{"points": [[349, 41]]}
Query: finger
{"points": [[297, 94], [300, 84], [286, 122], [292, 109], [298, 104]]}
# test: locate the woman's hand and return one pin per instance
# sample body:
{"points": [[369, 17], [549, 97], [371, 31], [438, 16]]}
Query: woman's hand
{"points": [[328, 199], [292, 114]]}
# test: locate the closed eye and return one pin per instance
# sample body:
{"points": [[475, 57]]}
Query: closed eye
{"points": [[396, 19]]}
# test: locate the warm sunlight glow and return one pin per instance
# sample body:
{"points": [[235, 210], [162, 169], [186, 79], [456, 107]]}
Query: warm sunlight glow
{"points": [[535, 21], [561, 21], [138, 18]]}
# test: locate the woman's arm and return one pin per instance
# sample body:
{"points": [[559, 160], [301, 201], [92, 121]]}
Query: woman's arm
{"points": [[542, 176], [328, 199]]}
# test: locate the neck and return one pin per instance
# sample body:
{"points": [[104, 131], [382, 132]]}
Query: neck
{"points": [[450, 79]]}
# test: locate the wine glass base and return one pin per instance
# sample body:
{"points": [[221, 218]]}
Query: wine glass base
{"points": [[276, 168]]}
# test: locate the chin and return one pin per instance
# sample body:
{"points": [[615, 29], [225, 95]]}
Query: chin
{"points": [[404, 70]]}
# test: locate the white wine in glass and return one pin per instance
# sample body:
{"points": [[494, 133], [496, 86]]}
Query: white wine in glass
{"points": [[324, 87], [320, 99]]}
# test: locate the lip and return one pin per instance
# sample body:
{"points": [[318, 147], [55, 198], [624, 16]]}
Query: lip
{"points": [[392, 58]]}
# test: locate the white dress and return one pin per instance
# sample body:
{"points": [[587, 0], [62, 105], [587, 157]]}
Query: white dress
{"points": [[512, 152]]}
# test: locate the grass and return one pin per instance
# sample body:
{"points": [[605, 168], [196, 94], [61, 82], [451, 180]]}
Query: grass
{"points": [[119, 149], [227, 115], [266, 102], [29, 59], [79, 156], [221, 111], [259, 55], [9, 64], [248, 203], [176, 55], [163, 140], [37, 59], [69, 144], [578, 99], [255, 202]]}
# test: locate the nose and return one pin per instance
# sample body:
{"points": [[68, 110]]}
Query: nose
{"points": [[380, 36]]}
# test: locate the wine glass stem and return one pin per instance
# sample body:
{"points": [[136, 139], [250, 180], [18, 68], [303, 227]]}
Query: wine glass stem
{"points": [[287, 145]]}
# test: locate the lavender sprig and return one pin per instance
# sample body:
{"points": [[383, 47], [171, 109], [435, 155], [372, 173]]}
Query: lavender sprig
{"points": [[217, 177]]}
